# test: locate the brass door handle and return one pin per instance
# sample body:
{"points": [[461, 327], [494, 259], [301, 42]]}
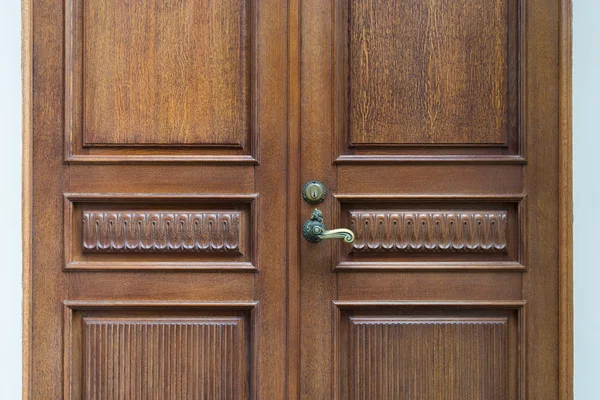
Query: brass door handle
{"points": [[314, 230]]}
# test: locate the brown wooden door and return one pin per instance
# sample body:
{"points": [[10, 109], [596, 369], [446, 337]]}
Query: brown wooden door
{"points": [[434, 126], [167, 144], [159, 142]]}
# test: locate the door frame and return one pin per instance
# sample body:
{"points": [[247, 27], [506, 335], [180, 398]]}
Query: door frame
{"points": [[565, 202], [565, 249]]}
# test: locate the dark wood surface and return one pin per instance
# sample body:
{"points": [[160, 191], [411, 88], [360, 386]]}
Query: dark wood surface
{"points": [[166, 144]]}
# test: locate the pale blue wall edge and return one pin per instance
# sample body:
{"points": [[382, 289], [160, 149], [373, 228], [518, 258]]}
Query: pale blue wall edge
{"points": [[586, 183]]}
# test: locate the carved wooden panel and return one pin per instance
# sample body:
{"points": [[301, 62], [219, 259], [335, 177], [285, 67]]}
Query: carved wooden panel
{"points": [[170, 78], [158, 357], [167, 352], [435, 78], [109, 231], [464, 356], [418, 352], [160, 232], [429, 231]]}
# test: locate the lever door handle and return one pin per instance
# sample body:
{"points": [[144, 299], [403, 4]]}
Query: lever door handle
{"points": [[314, 230]]}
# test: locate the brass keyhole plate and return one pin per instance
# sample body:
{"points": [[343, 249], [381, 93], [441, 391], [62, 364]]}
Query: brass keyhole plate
{"points": [[314, 192]]}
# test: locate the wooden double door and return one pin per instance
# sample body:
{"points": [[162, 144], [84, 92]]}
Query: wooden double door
{"points": [[170, 143]]}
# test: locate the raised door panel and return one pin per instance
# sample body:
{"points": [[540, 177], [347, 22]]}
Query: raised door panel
{"points": [[416, 351], [167, 351], [396, 232], [140, 232], [159, 79], [433, 78]]}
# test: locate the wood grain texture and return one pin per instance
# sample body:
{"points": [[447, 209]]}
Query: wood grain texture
{"points": [[317, 284], [161, 178], [50, 180], [432, 72], [27, 194], [293, 200], [540, 285], [140, 285], [162, 358], [271, 182], [427, 358], [427, 231], [440, 285], [565, 177], [186, 231], [439, 179], [167, 73]]}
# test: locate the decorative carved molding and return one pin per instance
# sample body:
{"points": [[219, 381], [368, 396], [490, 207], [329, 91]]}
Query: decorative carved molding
{"points": [[429, 231], [135, 231]]}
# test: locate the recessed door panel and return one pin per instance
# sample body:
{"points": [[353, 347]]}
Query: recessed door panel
{"points": [[433, 78], [139, 350], [429, 232], [418, 352], [141, 232], [162, 79]]}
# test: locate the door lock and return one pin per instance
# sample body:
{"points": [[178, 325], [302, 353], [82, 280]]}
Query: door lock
{"points": [[314, 192]]}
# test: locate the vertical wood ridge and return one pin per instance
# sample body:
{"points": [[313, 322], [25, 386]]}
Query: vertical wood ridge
{"points": [[160, 359], [429, 359]]}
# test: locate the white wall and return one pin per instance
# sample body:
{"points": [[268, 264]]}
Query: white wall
{"points": [[586, 182], [10, 199], [586, 162]]}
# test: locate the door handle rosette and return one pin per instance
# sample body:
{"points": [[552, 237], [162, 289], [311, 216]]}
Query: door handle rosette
{"points": [[314, 230]]}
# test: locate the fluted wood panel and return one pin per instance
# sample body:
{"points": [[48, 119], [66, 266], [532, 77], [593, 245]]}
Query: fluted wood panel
{"points": [[428, 358], [161, 358]]}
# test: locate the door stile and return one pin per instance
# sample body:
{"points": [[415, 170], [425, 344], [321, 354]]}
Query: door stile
{"points": [[270, 182], [318, 285], [294, 216]]}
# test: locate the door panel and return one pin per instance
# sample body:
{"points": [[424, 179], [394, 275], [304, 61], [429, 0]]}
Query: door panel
{"points": [[429, 79], [154, 231], [396, 232], [450, 55], [423, 351], [138, 350], [178, 102], [175, 79]]}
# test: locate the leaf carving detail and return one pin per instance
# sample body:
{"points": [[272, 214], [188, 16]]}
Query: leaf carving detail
{"points": [[429, 231], [131, 231]]}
